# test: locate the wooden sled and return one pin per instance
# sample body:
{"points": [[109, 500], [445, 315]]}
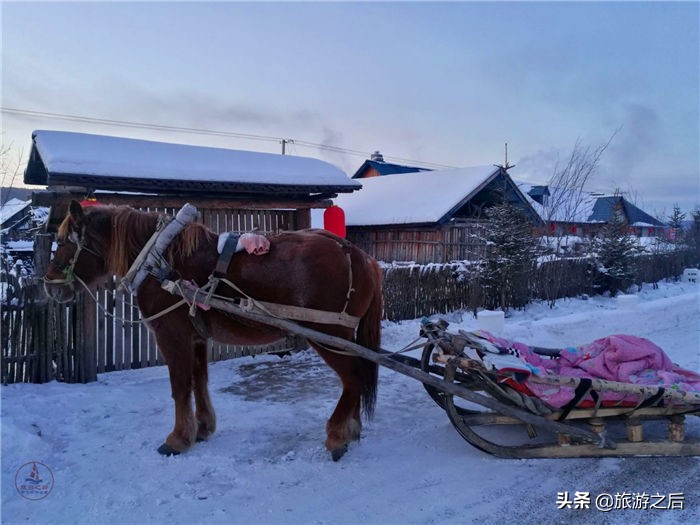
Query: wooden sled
{"points": [[626, 426]]}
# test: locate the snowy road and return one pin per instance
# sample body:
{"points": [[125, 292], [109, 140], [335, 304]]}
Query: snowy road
{"points": [[267, 464]]}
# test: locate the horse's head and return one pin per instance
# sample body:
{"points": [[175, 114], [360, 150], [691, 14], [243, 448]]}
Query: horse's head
{"points": [[82, 243]]}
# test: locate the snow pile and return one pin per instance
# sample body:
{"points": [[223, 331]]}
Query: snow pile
{"points": [[267, 464]]}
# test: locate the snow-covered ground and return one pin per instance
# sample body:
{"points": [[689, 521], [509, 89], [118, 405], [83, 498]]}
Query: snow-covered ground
{"points": [[267, 464]]}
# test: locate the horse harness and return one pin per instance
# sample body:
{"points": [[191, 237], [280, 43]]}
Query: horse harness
{"points": [[248, 303], [68, 270], [150, 261]]}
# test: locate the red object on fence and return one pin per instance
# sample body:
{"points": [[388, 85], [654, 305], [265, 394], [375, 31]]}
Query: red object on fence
{"points": [[86, 203], [334, 220]]}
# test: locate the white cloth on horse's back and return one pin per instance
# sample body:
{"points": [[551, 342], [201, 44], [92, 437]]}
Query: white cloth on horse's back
{"points": [[250, 242], [150, 256]]}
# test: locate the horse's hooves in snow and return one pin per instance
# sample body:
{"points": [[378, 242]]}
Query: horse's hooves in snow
{"points": [[338, 453], [167, 450]]}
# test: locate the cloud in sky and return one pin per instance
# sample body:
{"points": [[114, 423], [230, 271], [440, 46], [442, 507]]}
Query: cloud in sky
{"points": [[447, 83]]}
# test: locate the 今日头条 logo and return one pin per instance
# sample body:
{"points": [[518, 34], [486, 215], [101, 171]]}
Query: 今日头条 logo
{"points": [[34, 480]]}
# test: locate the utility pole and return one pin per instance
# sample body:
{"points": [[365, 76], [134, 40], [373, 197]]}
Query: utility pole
{"points": [[284, 143]]}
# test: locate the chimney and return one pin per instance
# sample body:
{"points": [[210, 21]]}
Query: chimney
{"points": [[377, 156]]}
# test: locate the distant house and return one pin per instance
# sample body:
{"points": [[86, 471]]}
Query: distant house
{"points": [[15, 218], [428, 216], [583, 214], [638, 221], [375, 166]]}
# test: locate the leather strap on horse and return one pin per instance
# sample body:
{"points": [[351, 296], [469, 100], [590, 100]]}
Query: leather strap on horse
{"points": [[300, 313], [281, 311], [226, 255]]}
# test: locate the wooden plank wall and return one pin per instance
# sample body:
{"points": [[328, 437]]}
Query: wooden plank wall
{"points": [[439, 244]]}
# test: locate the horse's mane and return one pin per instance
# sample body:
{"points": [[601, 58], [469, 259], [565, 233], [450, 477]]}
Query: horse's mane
{"points": [[132, 228]]}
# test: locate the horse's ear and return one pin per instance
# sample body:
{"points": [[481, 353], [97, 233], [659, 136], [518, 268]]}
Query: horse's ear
{"points": [[76, 211]]}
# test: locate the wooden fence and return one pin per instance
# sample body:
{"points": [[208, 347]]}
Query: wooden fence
{"points": [[42, 340], [412, 291]]}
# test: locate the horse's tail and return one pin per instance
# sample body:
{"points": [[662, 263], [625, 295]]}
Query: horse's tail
{"points": [[369, 336]]}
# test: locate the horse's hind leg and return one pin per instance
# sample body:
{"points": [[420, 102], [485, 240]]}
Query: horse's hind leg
{"points": [[206, 418], [180, 365], [344, 425]]}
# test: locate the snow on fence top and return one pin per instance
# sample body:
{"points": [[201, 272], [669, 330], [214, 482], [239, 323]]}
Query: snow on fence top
{"points": [[105, 162]]}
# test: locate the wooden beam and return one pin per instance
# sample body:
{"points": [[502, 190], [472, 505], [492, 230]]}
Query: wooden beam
{"points": [[63, 197]]}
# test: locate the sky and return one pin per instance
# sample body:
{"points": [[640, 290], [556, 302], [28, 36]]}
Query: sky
{"points": [[426, 83]]}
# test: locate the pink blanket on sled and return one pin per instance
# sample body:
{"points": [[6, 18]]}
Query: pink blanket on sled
{"points": [[623, 358]]}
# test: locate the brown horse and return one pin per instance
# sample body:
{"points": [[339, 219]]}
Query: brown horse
{"points": [[311, 269]]}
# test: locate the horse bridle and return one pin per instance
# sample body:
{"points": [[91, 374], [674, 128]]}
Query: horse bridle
{"points": [[68, 270]]}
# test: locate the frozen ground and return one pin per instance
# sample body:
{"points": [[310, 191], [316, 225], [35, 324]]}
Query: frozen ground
{"points": [[267, 464]]}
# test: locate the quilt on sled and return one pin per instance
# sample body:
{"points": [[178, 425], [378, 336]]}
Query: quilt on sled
{"points": [[622, 358]]}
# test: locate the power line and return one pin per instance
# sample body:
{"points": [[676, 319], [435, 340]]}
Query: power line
{"points": [[143, 125], [204, 131]]}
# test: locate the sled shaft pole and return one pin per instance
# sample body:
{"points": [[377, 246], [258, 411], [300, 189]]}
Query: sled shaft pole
{"points": [[189, 292]]}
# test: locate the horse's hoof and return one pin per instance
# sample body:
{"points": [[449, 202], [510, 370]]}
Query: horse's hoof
{"points": [[338, 453], [167, 450]]}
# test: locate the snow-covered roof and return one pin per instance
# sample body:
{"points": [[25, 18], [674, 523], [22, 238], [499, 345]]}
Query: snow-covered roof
{"points": [[385, 168], [105, 162], [580, 206], [11, 208], [413, 198]]}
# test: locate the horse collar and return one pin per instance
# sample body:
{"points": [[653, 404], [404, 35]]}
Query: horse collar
{"points": [[150, 260]]}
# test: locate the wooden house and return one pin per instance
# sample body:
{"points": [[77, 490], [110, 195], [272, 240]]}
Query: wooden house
{"points": [[428, 216]]}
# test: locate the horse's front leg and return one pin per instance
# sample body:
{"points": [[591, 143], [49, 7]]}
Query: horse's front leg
{"points": [[180, 359], [206, 417]]}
